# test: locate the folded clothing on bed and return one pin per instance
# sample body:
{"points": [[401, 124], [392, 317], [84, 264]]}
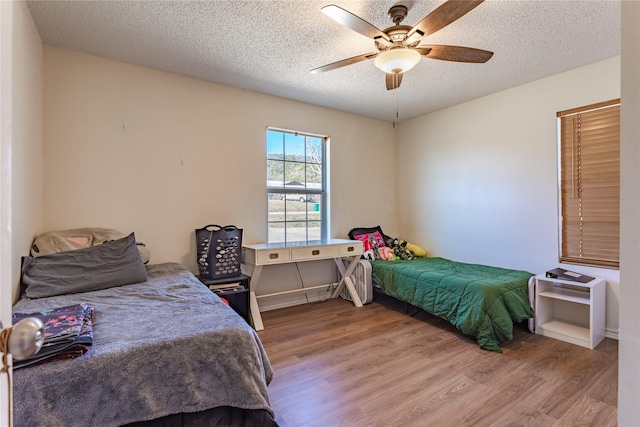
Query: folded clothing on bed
{"points": [[68, 333]]}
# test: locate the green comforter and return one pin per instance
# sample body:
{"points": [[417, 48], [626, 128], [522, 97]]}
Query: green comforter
{"points": [[479, 300]]}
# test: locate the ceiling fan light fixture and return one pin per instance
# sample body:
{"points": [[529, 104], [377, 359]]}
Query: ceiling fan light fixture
{"points": [[395, 59]]}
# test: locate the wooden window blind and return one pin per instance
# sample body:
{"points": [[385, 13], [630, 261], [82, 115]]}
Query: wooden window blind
{"points": [[590, 185]]}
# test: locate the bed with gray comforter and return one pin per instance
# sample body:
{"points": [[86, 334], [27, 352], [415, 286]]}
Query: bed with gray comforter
{"points": [[167, 350]]}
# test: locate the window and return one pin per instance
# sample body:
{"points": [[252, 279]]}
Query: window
{"points": [[296, 186], [589, 163]]}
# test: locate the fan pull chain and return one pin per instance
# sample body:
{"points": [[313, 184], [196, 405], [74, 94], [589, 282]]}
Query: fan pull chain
{"points": [[393, 121], [395, 97], [396, 104]]}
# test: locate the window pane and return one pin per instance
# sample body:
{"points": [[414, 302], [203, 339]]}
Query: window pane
{"points": [[275, 173], [276, 233], [314, 149], [276, 208], [294, 147], [294, 175], [275, 145], [314, 217], [314, 176], [295, 209], [296, 231]]}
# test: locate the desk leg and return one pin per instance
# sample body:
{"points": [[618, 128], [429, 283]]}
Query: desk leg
{"points": [[253, 301], [255, 312], [352, 291], [345, 280]]}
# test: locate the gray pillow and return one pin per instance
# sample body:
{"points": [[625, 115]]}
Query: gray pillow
{"points": [[109, 264]]}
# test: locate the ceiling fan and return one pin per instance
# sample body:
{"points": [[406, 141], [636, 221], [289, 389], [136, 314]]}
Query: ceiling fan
{"points": [[399, 47]]}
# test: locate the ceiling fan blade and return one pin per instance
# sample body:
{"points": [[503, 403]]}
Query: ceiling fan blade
{"points": [[442, 16], [344, 62], [353, 22], [393, 80], [455, 53]]}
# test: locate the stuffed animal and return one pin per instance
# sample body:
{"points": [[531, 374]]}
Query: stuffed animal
{"points": [[369, 254], [416, 250], [386, 254], [399, 248]]}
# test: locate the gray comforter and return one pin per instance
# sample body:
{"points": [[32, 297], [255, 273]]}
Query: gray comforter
{"points": [[164, 346]]}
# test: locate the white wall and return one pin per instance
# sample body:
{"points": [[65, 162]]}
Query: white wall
{"points": [[480, 178], [629, 350], [116, 134], [26, 150], [20, 151]]}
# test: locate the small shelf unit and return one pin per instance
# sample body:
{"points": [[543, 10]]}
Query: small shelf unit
{"points": [[571, 311]]}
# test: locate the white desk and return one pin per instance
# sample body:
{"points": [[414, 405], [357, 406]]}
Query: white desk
{"points": [[254, 257]]}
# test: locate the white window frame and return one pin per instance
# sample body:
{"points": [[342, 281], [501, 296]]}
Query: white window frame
{"points": [[313, 195]]}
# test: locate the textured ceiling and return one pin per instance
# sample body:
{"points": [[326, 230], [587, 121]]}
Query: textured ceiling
{"points": [[270, 46]]}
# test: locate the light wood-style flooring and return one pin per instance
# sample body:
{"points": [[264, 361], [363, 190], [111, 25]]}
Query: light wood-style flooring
{"points": [[337, 365]]}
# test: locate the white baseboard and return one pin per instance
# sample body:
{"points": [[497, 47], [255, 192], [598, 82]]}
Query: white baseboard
{"points": [[611, 333]]}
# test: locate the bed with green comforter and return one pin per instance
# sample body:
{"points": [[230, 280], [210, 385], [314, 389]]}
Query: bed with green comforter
{"points": [[479, 300]]}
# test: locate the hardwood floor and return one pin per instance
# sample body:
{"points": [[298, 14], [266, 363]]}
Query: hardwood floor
{"points": [[337, 365]]}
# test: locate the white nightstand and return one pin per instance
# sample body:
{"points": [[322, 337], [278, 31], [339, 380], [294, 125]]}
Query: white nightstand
{"points": [[571, 311]]}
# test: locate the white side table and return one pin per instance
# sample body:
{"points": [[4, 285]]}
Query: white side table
{"points": [[571, 311]]}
